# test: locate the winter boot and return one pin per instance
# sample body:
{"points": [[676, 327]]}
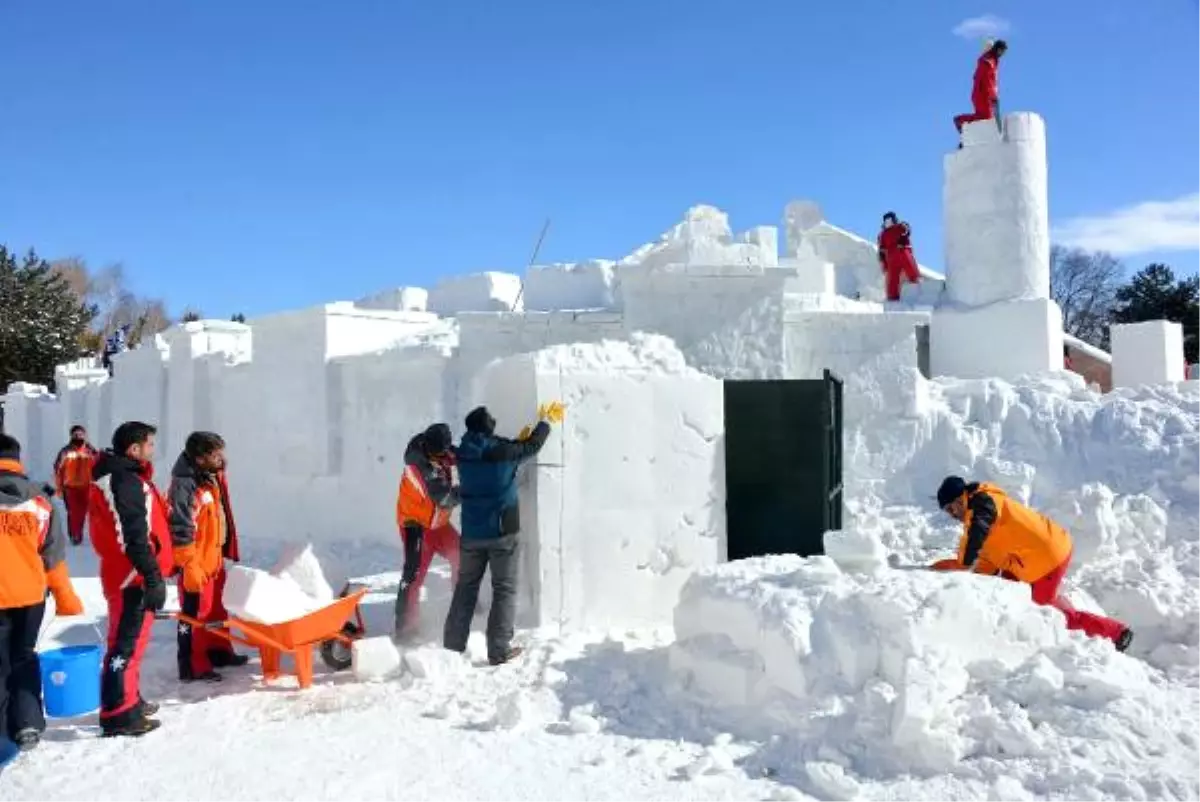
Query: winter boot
{"points": [[147, 708], [207, 676], [27, 739], [1124, 639], [513, 651], [226, 658], [131, 729]]}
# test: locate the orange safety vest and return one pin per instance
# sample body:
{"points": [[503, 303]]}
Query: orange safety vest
{"points": [[1022, 541], [23, 530], [75, 467], [413, 503]]}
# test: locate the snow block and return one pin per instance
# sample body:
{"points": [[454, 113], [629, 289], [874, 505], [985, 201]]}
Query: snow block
{"points": [[478, 292], [1003, 340], [374, 658], [587, 285], [1147, 353], [299, 564], [434, 662], [704, 238], [258, 596], [399, 299], [995, 208], [897, 670]]}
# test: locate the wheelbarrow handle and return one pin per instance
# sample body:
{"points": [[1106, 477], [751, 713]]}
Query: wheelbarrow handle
{"points": [[176, 615]]}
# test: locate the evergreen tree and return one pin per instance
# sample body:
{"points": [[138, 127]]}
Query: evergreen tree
{"points": [[238, 318], [1155, 294], [43, 320]]}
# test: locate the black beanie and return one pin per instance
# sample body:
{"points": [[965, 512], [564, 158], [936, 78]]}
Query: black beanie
{"points": [[438, 438], [952, 487], [10, 448], [480, 420]]}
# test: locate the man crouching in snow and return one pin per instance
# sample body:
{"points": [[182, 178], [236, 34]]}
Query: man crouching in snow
{"points": [[204, 536], [33, 550], [427, 495], [1003, 536]]}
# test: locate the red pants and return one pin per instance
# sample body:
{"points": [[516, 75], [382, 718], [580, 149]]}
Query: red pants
{"points": [[129, 625], [196, 644], [900, 261], [1045, 592], [420, 546], [984, 110], [76, 499]]}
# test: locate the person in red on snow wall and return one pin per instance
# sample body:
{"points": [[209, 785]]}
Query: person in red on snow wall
{"points": [[896, 255], [203, 537], [73, 479], [132, 538], [985, 91]]}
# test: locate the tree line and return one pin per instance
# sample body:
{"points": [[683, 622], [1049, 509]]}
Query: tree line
{"points": [[1093, 293], [56, 312]]}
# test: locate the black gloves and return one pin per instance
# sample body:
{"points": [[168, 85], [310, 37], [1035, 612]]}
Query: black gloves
{"points": [[155, 594]]}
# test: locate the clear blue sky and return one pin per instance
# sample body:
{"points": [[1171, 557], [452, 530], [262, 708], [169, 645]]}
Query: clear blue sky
{"points": [[261, 155]]}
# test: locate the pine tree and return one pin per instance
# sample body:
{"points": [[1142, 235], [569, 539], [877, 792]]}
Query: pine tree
{"points": [[43, 320], [238, 318], [1155, 294]]}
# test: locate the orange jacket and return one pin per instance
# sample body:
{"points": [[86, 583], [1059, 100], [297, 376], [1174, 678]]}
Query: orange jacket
{"points": [[427, 493], [73, 466], [32, 540], [1010, 537], [203, 533]]}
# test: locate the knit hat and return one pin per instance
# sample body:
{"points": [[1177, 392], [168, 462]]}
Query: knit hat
{"points": [[481, 421], [10, 448], [438, 438], [952, 488]]}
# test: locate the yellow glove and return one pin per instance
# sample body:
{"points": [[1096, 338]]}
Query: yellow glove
{"points": [[524, 434], [552, 412]]}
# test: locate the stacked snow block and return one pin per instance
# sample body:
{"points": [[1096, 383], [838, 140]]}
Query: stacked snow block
{"points": [[478, 292], [258, 596], [587, 285], [1147, 353]]}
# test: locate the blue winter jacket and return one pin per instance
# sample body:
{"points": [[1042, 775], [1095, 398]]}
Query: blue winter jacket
{"points": [[487, 478]]}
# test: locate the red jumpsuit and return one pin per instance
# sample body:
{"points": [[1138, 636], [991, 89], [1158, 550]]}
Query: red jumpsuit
{"points": [[73, 477], [984, 91], [896, 258]]}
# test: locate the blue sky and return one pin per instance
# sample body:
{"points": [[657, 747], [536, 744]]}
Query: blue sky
{"points": [[261, 155]]}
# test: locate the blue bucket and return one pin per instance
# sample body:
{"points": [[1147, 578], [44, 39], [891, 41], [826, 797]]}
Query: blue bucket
{"points": [[71, 680]]}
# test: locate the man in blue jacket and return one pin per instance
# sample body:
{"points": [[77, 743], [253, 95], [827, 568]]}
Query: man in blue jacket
{"points": [[487, 476]]}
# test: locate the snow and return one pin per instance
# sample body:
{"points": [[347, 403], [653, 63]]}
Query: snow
{"points": [[478, 292], [299, 564], [374, 658], [1147, 353], [586, 285], [259, 596], [995, 209], [959, 339]]}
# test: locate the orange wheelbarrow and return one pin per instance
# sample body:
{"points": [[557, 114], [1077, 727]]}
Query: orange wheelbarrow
{"points": [[333, 629]]}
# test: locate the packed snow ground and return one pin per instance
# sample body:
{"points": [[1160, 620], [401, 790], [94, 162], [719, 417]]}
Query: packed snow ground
{"points": [[872, 690]]}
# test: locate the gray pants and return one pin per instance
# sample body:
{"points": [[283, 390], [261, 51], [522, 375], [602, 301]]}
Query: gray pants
{"points": [[503, 555]]}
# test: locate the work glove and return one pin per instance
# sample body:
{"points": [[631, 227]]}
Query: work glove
{"points": [[194, 577], [524, 433], [155, 596], [66, 602], [552, 412]]}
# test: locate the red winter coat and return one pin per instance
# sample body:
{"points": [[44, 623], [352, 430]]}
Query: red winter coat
{"points": [[129, 527], [895, 244], [986, 84]]}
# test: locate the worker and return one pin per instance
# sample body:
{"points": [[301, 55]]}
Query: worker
{"points": [[487, 475], [426, 496], [896, 255], [73, 479], [985, 87], [1004, 537], [131, 537], [203, 537], [32, 559]]}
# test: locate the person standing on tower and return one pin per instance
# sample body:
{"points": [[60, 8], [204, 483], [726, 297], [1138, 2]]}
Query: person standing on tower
{"points": [[985, 92]]}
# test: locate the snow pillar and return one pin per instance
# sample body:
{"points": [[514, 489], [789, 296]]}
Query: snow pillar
{"points": [[1147, 353], [995, 213], [997, 318]]}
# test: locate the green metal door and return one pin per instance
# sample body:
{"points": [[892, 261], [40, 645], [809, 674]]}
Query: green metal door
{"points": [[783, 465]]}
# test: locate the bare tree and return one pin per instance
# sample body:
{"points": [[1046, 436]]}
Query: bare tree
{"points": [[115, 304], [1084, 284]]}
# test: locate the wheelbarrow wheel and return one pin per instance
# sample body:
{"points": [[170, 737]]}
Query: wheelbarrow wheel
{"points": [[336, 653]]}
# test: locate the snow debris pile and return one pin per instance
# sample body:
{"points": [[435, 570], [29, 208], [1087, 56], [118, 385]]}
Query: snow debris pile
{"points": [[1120, 471], [886, 673], [296, 587]]}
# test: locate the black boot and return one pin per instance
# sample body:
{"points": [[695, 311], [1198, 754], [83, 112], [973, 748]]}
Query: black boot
{"points": [[226, 658], [500, 660], [1124, 639], [147, 708], [27, 739], [207, 676], [135, 728]]}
